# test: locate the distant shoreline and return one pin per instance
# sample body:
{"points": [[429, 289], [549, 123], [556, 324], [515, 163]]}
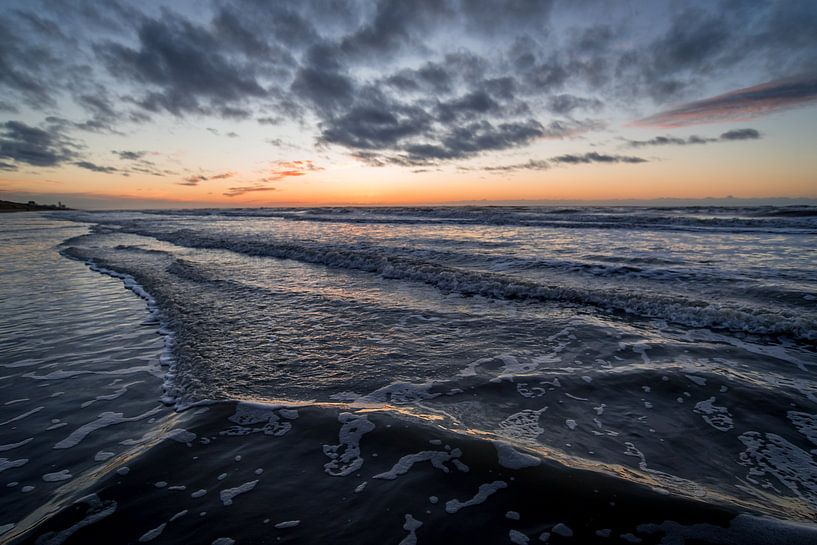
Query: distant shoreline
{"points": [[9, 206]]}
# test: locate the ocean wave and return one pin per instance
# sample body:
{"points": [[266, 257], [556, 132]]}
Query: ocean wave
{"points": [[802, 220], [676, 309]]}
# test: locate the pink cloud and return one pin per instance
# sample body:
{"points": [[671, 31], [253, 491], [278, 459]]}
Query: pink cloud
{"points": [[739, 105]]}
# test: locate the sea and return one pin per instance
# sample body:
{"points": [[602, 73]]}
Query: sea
{"points": [[409, 375]]}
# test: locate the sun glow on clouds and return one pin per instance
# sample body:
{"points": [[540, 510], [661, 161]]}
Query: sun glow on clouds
{"points": [[740, 105]]}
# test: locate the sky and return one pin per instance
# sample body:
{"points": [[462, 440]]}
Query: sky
{"points": [[154, 104]]}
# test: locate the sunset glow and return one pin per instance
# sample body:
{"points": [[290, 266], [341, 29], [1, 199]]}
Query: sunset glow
{"points": [[226, 106]]}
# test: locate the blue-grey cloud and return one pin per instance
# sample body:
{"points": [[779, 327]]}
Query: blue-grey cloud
{"points": [[594, 157], [39, 147], [184, 69], [728, 136], [88, 165]]}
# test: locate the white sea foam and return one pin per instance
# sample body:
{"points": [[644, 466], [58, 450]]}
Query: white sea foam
{"points": [[7, 463], [410, 525], [717, 417], [227, 495], [62, 475], [438, 458], [345, 456], [523, 425], [770, 455], [150, 535], [10, 446], [484, 491]]}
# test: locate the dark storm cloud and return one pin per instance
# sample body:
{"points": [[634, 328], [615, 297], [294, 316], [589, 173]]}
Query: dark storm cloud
{"points": [[24, 144], [184, 69], [375, 124], [741, 104], [430, 77], [728, 136], [393, 24], [458, 143], [20, 64], [322, 79]]}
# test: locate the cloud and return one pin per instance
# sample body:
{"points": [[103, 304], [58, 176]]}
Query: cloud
{"points": [[594, 157], [24, 144], [569, 159], [183, 68], [87, 165], [290, 169], [270, 120], [728, 136], [130, 155], [236, 191], [741, 134], [532, 164], [195, 179], [564, 103], [741, 104], [391, 82]]}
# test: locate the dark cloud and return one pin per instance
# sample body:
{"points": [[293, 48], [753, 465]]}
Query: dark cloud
{"points": [[741, 134], [322, 80], [741, 104], [594, 157], [393, 25], [569, 159], [24, 144], [728, 136], [564, 104], [532, 164], [184, 68], [21, 65], [136, 162], [376, 124], [87, 165], [270, 120], [130, 155]]}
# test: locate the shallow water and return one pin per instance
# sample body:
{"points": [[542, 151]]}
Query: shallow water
{"points": [[654, 364]]}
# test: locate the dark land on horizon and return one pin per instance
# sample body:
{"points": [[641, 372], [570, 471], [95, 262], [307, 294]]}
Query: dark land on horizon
{"points": [[9, 206]]}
